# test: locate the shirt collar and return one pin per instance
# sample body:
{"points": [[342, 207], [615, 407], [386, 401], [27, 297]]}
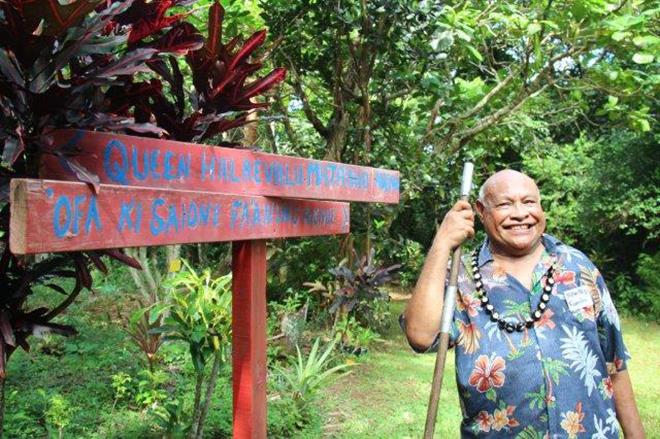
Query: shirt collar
{"points": [[549, 242]]}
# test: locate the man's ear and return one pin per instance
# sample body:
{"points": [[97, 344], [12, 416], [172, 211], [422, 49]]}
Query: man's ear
{"points": [[480, 209]]}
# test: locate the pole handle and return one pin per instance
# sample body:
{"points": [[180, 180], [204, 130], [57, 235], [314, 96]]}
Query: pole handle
{"points": [[447, 317]]}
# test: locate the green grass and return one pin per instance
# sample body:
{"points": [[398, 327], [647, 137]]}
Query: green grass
{"points": [[386, 395]]}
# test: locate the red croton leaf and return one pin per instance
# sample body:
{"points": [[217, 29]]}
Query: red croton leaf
{"points": [[214, 41], [252, 44], [57, 17], [180, 40], [6, 329], [129, 64], [120, 256], [83, 174], [264, 84], [151, 19]]}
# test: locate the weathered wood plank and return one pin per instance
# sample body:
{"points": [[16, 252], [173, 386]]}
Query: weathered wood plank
{"points": [[249, 339], [54, 216], [139, 161]]}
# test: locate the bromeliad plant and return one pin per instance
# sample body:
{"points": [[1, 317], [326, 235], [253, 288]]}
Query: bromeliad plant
{"points": [[306, 375], [200, 315]]}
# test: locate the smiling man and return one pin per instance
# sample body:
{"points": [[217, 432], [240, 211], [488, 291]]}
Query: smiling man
{"points": [[539, 351]]}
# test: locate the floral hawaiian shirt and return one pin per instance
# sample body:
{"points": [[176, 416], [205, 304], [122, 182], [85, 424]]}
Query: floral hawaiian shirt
{"points": [[553, 380]]}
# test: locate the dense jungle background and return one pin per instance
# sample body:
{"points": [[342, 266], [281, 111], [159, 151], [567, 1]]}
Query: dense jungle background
{"points": [[565, 91]]}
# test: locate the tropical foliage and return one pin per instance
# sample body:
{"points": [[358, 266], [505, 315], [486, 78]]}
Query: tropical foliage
{"points": [[199, 314], [307, 374]]}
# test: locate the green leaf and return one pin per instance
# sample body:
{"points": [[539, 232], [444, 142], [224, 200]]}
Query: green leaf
{"points": [[463, 35], [618, 36], [641, 124], [491, 395], [156, 311], [550, 24], [474, 52], [643, 58], [471, 90], [533, 28], [644, 41]]}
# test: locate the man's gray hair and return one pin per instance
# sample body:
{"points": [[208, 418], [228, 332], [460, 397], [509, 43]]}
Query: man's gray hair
{"points": [[482, 193]]}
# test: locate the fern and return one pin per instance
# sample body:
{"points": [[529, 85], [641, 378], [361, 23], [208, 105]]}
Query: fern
{"points": [[575, 349], [601, 430]]}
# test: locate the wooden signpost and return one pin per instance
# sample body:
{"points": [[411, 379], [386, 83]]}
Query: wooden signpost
{"points": [[165, 164], [158, 192], [54, 216]]}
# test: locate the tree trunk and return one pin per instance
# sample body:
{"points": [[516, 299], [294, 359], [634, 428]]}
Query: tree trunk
{"points": [[149, 279], [272, 137], [250, 130], [338, 130], [196, 408], [173, 252], [213, 379], [280, 107]]}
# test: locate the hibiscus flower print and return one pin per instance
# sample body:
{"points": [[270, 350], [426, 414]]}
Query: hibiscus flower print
{"points": [[607, 388], [468, 337], [588, 313], [614, 367], [546, 320], [468, 303], [487, 373], [484, 421], [503, 418], [565, 277], [572, 421]]}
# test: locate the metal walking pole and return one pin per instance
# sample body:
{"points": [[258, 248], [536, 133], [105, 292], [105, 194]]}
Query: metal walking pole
{"points": [[447, 316]]}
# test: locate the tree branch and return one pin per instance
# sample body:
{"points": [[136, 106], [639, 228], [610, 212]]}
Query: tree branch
{"points": [[486, 99], [288, 128], [307, 108], [494, 118], [434, 114]]}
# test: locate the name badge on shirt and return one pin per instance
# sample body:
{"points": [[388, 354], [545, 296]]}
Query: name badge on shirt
{"points": [[578, 298]]}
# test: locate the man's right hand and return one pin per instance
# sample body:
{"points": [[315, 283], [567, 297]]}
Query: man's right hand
{"points": [[456, 227], [424, 310]]}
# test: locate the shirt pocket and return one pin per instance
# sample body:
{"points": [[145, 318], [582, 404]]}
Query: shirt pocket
{"points": [[578, 307]]}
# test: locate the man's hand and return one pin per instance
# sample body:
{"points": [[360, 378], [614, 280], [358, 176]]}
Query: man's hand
{"points": [[456, 227], [424, 309]]}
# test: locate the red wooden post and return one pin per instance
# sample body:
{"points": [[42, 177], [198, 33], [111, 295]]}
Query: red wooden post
{"points": [[249, 338]]}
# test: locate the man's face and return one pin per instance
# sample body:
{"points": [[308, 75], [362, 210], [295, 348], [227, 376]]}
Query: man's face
{"points": [[512, 214]]}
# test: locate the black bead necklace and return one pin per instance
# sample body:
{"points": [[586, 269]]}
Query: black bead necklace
{"points": [[488, 307]]}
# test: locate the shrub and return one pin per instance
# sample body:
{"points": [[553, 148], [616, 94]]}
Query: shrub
{"points": [[305, 376], [360, 289]]}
